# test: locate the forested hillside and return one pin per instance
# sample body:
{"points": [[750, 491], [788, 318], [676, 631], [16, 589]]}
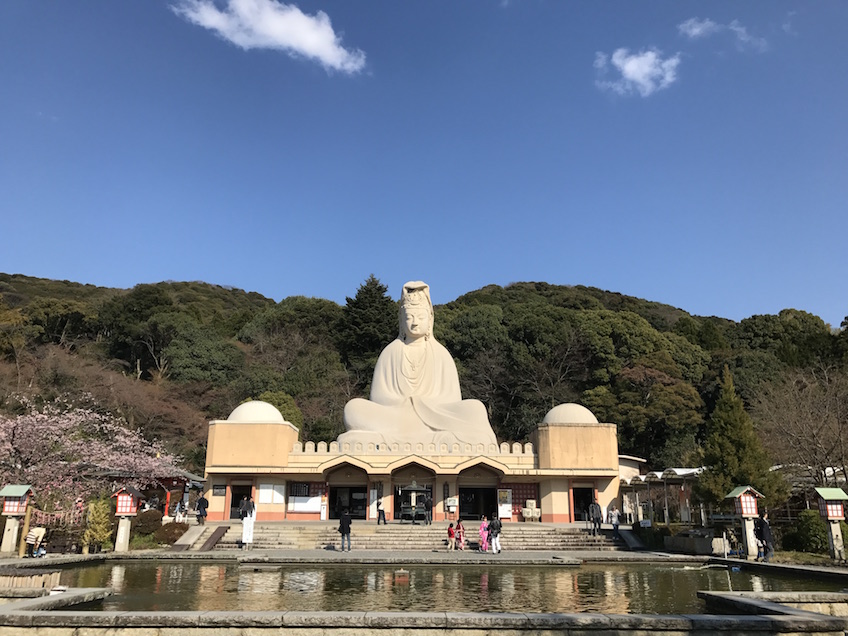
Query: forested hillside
{"points": [[168, 357]]}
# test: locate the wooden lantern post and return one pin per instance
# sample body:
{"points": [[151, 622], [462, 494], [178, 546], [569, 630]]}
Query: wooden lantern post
{"points": [[16, 498], [832, 510], [126, 508], [745, 501]]}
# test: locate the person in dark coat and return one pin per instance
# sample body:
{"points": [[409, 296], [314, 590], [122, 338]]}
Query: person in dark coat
{"points": [[202, 505], [344, 529], [596, 516], [762, 532]]}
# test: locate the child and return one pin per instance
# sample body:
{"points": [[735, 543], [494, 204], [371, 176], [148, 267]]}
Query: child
{"points": [[451, 538]]}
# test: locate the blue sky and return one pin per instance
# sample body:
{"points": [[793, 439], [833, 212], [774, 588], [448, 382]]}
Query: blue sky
{"points": [[690, 153]]}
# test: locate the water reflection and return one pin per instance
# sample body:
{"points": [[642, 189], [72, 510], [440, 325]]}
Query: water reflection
{"points": [[614, 588], [116, 578]]}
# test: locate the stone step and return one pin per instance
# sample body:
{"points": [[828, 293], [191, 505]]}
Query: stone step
{"points": [[397, 537]]}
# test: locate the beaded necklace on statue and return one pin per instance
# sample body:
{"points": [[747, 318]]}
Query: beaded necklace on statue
{"points": [[413, 363]]}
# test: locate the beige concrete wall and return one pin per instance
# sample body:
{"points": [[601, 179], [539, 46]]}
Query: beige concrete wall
{"points": [[249, 446], [577, 446], [555, 502]]}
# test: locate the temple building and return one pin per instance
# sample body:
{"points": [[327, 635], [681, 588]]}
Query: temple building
{"points": [[415, 446], [255, 452]]}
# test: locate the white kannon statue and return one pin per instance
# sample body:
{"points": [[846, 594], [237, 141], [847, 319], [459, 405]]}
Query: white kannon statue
{"points": [[415, 394]]}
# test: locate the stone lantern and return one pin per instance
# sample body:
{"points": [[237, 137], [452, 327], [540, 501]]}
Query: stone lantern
{"points": [[832, 510], [126, 508], [15, 503], [745, 500]]}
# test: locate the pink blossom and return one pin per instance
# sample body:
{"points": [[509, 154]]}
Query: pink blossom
{"points": [[66, 451]]}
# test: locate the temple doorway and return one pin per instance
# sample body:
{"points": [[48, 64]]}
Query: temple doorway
{"points": [[476, 502], [352, 498], [410, 502], [582, 500], [237, 494]]}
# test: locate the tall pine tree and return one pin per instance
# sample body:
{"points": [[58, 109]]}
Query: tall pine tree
{"points": [[733, 454], [369, 322]]}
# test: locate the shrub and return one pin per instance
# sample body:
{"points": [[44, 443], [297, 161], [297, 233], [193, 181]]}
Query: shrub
{"points": [[653, 536], [147, 522], [98, 531], [807, 534], [143, 542], [170, 532]]}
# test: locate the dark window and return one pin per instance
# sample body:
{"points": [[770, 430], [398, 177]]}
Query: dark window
{"points": [[298, 489]]}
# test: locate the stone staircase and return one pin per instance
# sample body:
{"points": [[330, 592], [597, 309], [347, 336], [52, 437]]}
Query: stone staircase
{"points": [[404, 537]]}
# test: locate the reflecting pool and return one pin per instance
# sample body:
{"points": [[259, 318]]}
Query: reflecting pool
{"points": [[605, 588]]}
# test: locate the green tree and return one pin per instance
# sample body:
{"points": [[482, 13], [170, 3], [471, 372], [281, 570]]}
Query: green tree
{"points": [[16, 337], [369, 322], [285, 404], [733, 454], [196, 354], [62, 322], [295, 340], [796, 338], [124, 324], [98, 531]]}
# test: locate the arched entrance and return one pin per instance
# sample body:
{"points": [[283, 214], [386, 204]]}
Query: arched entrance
{"points": [[348, 491], [478, 491], [412, 486]]}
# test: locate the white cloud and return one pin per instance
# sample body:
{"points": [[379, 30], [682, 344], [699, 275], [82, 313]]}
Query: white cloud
{"points": [[745, 39], [644, 72], [269, 24], [695, 28], [787, 24]]}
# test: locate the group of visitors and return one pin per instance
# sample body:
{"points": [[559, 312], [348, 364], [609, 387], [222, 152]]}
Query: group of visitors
{"points": [[489, 533], [596, 516]]}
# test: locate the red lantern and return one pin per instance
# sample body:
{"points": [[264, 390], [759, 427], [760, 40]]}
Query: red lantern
{"points": [[128, 502], [831, 506], [15, 499], [744, 500]]}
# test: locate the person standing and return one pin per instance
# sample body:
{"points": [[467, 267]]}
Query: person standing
{"points": [[202, 505], [344, 529], [179, 512], [614, 519], [451, 538], [460, 535], [596, 516], [247, 512], [381, 514], [484, 535], [765, 536], [495, 534], [31, 540], [428, 510]]}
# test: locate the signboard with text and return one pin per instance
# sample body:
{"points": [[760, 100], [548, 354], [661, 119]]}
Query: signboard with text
{"points": [[505, 503]]}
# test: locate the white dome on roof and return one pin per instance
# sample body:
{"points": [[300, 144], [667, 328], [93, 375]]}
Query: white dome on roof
{"points": [[256, 412], [570, 414]]}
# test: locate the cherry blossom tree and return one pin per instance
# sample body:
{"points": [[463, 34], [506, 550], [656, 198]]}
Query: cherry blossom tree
{"points": [[65, 451]]}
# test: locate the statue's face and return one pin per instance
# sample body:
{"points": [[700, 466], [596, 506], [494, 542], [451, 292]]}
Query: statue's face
{"points": [[416, 321]]}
